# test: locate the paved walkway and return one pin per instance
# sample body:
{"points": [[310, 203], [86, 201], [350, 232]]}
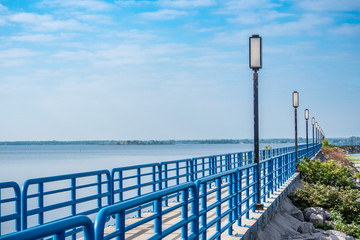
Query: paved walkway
{"points": [[146, 231]]}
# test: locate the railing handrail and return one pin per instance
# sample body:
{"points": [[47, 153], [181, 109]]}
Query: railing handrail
{"points": [[55, 228], [275, 165], [121, 207]]}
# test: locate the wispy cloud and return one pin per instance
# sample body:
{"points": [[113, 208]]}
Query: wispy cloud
{"points": [[34, 38], [124, 54], [307, 24], [187, 3], [44, 22], [347, 29], [3, 8], [15, 56], [258, 17], [164, 14], [89, 5], [133, 35], [233, 6], [329, 5]]}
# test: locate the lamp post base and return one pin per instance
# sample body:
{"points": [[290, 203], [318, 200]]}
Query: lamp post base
{"points": [[259, 206]]}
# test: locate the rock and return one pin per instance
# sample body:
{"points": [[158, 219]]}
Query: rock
{"points": [[317, 219], [296, 213], [327, 215], [310, 210], [321, 235], [339, 235], [306, 227], [308, 236]]}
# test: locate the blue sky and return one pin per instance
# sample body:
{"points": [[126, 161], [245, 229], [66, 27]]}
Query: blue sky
{"points": [[81, 70]]}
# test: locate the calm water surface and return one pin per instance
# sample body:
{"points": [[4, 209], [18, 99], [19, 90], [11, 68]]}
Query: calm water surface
{"points": [[358, 157], [19, 163]]}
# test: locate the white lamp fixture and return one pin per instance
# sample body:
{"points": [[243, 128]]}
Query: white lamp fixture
{"points": [[306, 114], [295, 99], [313, 121], [255, 54]]}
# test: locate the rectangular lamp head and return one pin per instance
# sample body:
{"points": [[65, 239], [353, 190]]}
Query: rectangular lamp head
{"points": [[255, 52], [306, 114], [295, 99]]}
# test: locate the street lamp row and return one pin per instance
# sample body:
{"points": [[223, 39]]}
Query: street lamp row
{"points": [[255, 63], [319, 132]]}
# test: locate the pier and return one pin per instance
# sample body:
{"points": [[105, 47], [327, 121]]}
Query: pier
{"points": [[211, 197]]}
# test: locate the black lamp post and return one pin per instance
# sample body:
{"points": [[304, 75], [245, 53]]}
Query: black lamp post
{"points": [[307, 139], [317, 132], [296, 105], [255, 63], [313, 125]]}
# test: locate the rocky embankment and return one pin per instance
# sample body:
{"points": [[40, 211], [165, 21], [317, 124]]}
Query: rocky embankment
{"points": [[351, 149], [289, 223]]}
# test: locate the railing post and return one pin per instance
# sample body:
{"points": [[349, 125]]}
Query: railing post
{"points": [[41, 203], [239, 194], [184, 212], [158, 219]]}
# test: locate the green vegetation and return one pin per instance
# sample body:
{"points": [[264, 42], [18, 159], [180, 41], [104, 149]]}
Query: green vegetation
{"points": [[330, 185], [326, 144], [329, 173], [352, 229], [357, 175]]}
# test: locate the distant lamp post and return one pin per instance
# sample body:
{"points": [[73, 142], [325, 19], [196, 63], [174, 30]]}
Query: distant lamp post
{"points": [[317, 132], [296, 105], [307, 139], [313, 125], [255, 63]]}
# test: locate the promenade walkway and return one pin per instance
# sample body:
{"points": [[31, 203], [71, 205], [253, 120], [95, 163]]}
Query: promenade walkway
{"points": [[209, 197], [249, 224]]}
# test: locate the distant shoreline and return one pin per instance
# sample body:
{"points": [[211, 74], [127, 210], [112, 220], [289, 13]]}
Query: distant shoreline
{"points": [[334, 141], [151, 142], [147, 142]]}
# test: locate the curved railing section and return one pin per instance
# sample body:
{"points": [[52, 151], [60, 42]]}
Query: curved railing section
{"points": [[186, 207], [56, 230], [52, 198], [10, 207]]}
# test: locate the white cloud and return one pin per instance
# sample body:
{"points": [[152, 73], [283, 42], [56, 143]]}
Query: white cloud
{"points": [[16, 53], [34, 38], [44, 22], [2, 8], [329, 5], [308, 24], [15, 56], [164, 14], [133, 35], [259, 17], [347, 29], [233, 6], [187, 3], [90, 5]]}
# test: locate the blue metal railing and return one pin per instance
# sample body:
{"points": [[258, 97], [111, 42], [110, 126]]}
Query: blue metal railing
{"points": [[135, 181], [10, 202], [52, 198], [186, 204], [211, 211], [57, 229]]}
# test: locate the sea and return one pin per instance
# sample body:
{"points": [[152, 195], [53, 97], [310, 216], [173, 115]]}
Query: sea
{"points": [[356, 156], [21, 162]]}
